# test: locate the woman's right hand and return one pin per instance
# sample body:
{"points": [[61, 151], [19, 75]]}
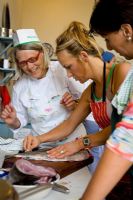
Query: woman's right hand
{"points": [[8, 115], [30, 142]]}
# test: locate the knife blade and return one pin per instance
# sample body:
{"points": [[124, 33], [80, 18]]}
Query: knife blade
{"points": [[39, 188], [60, 188], [32, 191]]}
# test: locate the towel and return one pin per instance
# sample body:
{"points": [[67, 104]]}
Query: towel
{"points": [[11, 145], [122, 97]]}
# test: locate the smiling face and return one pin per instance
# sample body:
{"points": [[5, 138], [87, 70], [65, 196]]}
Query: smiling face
{"points": [[31, 62], [119, 42], [74, 66]]}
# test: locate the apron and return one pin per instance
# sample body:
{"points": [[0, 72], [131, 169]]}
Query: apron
{"points": [[99, 109]]}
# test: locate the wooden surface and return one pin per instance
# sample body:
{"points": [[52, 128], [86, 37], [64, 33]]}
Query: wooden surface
{"points": [[64, 168]]}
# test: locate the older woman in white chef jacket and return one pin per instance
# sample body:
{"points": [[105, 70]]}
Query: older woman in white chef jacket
{"points": [[41, 96]]}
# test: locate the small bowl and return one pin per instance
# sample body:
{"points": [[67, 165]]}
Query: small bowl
{"points": [[38, 195]]}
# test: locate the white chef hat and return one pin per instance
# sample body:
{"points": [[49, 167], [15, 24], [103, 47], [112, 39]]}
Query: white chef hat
{"points": [[24, 36]]}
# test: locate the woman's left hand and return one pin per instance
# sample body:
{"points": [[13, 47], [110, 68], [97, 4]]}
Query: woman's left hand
{"points": [[68, 101], [65, 150]]}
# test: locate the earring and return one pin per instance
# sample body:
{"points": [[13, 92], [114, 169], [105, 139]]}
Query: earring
{"points": [[129, 38]]}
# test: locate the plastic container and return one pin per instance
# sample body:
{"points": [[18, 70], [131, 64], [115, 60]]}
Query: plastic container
{"points": [[3, 174]]}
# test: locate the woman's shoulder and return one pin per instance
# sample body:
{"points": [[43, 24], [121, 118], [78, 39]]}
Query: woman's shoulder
{"points": [[21, 82], [56, 66], [121, 70]]}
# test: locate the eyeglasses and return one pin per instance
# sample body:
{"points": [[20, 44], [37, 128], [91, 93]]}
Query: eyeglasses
{"points": [[24, 63]]}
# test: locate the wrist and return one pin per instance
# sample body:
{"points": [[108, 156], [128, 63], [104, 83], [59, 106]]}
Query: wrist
{"points": [[15, 124], [85, 142], [80, 143], [39, 138]]}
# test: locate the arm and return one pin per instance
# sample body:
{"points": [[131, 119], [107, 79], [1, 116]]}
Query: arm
{"points": [[75, 146], [116, 160], [65, 128], [109, 171], [100, 137]]}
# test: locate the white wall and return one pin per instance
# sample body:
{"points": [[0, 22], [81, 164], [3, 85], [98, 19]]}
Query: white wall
{"points": [[49, 17]]}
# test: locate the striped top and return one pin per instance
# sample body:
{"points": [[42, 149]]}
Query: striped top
{"points": [[121, 140]]}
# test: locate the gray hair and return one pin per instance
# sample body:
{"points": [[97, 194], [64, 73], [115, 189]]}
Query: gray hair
{"points": [[31, 46]]}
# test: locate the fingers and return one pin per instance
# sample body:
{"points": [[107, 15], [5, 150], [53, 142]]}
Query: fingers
{"points": [[67, 100], [26, 143], [58, 152], [61, 151], [67, 97], [29, 143], [7, 111], [64, 150]]}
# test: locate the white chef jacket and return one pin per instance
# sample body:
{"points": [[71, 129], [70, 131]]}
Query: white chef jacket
{"points": [[38, 100]]}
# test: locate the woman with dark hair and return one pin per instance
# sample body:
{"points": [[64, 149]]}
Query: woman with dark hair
{"points": [[117, 158]]}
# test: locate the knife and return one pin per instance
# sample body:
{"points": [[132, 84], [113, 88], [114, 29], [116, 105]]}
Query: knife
{"points": [[60, 188], [39, 188], [32, 191]]}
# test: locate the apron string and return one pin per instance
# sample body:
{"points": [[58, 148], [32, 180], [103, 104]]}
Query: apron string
{"points": [[104, 82], [104, 85]]}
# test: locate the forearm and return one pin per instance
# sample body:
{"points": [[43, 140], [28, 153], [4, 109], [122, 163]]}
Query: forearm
{"points": [[109, 171], [96, 139], [58, 133], [16, 124], [99, 138]]}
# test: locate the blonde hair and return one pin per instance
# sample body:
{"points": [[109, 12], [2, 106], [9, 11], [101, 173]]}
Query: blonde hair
{"points": [[32, 46], [75, 39]]}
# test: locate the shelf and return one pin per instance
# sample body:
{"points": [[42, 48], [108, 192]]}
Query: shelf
{"points": [[5, 44], [9, 70], [6, 40], [8, 75]]}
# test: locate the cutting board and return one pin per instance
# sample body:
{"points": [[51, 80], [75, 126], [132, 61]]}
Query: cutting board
{"points": [[64, 168]]}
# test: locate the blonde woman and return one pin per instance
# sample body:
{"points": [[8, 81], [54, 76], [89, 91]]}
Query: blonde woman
{"points": [[80, 55]]}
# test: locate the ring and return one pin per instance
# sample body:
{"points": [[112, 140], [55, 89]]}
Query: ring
{"points": [[62, 152]]}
